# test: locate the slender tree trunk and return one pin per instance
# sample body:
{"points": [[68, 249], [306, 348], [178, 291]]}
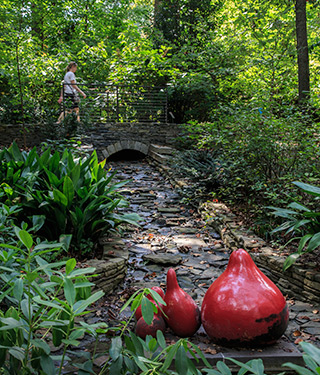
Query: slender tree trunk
{"points": [[302, 49], [156, 15], [21, 95]]}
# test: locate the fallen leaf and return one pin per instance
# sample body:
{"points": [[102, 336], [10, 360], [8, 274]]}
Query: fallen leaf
{"points": [[304, 317], [298, 340], [296, 333], [210, 351]]}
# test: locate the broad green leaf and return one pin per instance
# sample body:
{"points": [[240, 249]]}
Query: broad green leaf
{"points": [[17, 352], [311, 350], [41, 344], [116, 365], [147, 310], [25, 238], [71, 263], [10, 323], [290, 260], [181, 361], [18, 289], [80, 306], [157, 297], [26, 308], [38, 299], [313, 190], [69, 291], [60, 198], [81, 271], [171, 352], [223, 368], [161, 340], [299, 369], [68, 190], [116, 348], [137, 344], [314, 242], [47, 365], [257, 366], [298, 206]]}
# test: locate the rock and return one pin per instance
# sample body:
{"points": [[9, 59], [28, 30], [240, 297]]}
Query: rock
{"points": [[165, 259]]}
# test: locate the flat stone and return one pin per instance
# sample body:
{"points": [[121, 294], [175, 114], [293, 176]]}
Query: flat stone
{"points": [[194, 242], [168, 209], [165, 259], [187, 230]]}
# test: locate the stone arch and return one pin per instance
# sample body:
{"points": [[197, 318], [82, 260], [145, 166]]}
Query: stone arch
{"points": [[125, 145]]}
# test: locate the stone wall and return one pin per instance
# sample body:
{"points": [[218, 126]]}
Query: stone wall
{"points": [[34, 135], [100, 136]]}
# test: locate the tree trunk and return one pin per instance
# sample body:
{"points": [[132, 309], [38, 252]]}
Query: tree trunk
{"points": [[302, 49], [157, 11]]}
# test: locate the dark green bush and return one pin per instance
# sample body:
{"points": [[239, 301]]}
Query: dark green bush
{"points": [[65, 195]]}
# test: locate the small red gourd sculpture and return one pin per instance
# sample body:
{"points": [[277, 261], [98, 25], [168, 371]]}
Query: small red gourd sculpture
{"points": [[243, 307], [138, 313], [143, 329], [181, 312]]}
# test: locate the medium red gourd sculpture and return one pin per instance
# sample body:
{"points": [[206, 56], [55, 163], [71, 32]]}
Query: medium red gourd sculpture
{"points": [[243, 306], [138, 312], [181, 312], [143, 329]]}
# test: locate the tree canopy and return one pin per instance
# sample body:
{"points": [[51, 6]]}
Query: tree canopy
{"points": [[209, 53]]}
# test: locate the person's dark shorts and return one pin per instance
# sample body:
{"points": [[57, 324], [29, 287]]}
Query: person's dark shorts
{"points": [[70, 101]]}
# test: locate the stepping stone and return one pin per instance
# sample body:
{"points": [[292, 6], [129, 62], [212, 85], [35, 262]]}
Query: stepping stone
{"points": [[164, 259]]}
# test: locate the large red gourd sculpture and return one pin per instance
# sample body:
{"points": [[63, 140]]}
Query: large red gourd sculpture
{"points": [[243, 306], [181, 312]]}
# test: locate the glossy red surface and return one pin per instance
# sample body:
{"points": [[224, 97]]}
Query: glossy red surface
{"points": [[182, 313], [244, 305], [143, 329]]}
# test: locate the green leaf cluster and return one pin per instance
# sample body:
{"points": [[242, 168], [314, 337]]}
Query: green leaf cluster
{"points": [[61, 195], [41, 301], [301, 223]]}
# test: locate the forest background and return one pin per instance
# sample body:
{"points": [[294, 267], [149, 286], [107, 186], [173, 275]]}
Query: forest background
{"points": [[245, 90]]}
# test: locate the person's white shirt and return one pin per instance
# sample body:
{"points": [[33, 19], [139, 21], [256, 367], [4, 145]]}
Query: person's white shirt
{"points": [[68, 78]]}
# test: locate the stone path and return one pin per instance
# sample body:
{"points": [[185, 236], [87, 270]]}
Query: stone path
{"points": [[173, 235]]}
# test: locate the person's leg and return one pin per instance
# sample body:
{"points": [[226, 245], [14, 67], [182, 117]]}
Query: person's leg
{"points": [[77, 112]]}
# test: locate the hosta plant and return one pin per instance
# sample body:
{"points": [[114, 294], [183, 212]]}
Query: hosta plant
{"points": [[301, 223]]}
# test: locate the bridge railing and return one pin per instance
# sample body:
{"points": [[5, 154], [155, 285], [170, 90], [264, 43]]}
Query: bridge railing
{"points": [[120, 103]]}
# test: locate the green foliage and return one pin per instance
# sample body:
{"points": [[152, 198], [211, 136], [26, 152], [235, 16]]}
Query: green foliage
{"points": [[311, 359], [300, 222], [256, 153], [64, 195], [40, 301]]}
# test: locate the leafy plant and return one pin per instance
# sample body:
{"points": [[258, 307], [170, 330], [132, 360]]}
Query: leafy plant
{"points": [[40, 301], [71, 196], [311, 358], [301, 222]]}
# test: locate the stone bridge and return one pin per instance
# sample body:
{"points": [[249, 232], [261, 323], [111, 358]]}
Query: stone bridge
{"points": [[106, 138], [147, 139]]}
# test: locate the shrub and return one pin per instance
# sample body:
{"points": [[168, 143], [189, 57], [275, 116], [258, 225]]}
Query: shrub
{"points": [[40, 301], [67, 196], [301, 223]]}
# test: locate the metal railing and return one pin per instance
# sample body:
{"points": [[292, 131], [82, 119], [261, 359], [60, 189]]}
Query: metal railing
{"points": [[120, 103]]}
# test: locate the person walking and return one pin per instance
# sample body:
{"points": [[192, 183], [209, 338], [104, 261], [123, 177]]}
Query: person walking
{"points": [[69, 94]]}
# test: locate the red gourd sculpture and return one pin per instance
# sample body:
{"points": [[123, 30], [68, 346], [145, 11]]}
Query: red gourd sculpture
{"points": [[143, 329], [243, 307], [181, 312], [138, 313]]}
